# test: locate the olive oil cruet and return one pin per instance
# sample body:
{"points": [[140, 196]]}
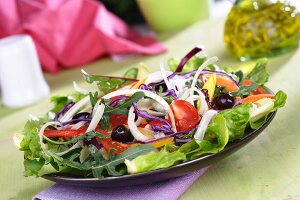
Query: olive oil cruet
{"points": [[261, 28]]}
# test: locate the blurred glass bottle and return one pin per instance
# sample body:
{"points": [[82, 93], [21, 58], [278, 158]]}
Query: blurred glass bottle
{"points": [[259, 28]]}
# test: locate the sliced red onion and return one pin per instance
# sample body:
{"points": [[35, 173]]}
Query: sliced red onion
{"points": [[167, 136], [116, 101], [73, 121], [164, 129], [182, 140], [170, 93], [145, 87], [92, 141], [206, 71], [145, 115], [64, 110], [187, 57]]}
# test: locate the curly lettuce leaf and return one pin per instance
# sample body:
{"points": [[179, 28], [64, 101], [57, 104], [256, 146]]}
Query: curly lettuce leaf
{"points": [[237, 120], [259, 73], [154, 160], [215, 139]]}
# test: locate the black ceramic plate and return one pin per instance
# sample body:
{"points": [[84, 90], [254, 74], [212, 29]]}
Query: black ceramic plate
{"points": [[162, 174]]}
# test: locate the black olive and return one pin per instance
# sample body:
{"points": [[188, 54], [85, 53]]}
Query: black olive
{"points": [[121, 134], [82, 115], [223, 101]]}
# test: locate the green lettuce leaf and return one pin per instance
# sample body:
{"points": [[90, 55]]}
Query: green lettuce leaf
{"points": [[259, 73], [279, 101], [154, 160], [131, 73], [215, 139], [237, 120]]}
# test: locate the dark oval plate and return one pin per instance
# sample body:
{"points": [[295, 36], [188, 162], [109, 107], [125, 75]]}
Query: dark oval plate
{"points": [[161, 174]]}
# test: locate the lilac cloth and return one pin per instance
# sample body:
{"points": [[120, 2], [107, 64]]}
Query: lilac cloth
{"points": [[171, 189]]}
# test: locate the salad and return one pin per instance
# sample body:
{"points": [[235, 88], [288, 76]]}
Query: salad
{"points": [[188, 109]]}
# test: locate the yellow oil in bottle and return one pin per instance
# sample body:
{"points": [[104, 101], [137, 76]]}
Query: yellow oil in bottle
{"points": [[259, 28]]}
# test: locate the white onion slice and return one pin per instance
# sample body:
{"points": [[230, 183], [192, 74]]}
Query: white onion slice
{"points": [[155, 77], [77, 125], [41, 134], [133, 128], [206, 119], [74, 109], [96, 118], [164, 75], [148, 94], [206, 63], [204, 105]]}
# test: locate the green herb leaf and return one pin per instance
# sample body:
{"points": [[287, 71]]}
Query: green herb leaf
{"points": [[245, 90], [106, 83], [93, 98], [117, 159]]}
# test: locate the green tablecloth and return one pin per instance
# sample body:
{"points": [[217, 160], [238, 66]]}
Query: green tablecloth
{"points": [[267, 168]]}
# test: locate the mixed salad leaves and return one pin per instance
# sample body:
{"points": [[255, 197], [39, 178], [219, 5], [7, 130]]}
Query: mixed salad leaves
{"points": [[128, 126]]}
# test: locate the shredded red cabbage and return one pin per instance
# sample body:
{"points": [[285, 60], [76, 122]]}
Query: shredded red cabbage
{"points": [[117, 100], [164, 128], [72, 121], [92, 141], [145, 115], [182, 140], [170, 93], [64, 110], [187, 57], [167, 136]]}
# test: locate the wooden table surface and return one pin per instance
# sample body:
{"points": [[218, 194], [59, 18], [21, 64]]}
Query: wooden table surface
{"points": [[267, 168]]}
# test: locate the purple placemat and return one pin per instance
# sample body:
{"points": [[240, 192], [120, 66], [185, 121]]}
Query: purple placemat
{"points": [[171, 189]]}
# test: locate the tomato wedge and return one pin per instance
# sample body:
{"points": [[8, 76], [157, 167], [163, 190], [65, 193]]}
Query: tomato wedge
{"points": [[186, 115]]}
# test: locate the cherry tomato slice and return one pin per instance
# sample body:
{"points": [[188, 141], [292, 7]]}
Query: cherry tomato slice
{"points": [[186, 115]]}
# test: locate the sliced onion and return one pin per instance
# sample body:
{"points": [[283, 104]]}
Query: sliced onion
{"points": [[206, 63], [206, 119], [164, 75], [148, 94], [68, 115], [64, 110], [187, 57], [204, 104], [156, 76], [96, 118], [41, 134], [133, 128]]}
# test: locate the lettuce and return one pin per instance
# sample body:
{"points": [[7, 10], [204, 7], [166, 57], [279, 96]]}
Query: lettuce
{"points": [[259, 73], [154, 160], [237, 120], [279, 101], [215, 139], [60, 101], [192, 64]]}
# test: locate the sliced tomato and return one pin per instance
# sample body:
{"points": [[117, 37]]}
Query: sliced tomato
{"points": [[66, 133], [186, 115], [118, 119], [108, 144], [259, 90]]}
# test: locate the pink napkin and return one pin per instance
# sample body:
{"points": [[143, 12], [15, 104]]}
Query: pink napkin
{"points": [[69, 33], [171, 190]]}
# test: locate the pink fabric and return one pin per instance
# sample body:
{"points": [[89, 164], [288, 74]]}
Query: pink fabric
{"points": [[69, 33]]}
